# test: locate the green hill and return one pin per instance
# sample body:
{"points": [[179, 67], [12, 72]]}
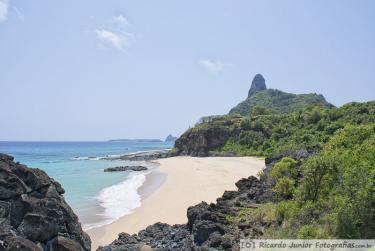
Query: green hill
{"points": [[276, 100], [267, 134]]}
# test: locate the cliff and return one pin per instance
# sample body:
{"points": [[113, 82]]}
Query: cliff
{"points": [[33, 213]]}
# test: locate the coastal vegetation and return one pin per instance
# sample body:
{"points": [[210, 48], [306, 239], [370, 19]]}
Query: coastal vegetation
{"points": [[267, 132], [329, 195]]}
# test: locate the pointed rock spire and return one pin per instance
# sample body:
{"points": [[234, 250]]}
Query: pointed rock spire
{"points": [[258, 84]]}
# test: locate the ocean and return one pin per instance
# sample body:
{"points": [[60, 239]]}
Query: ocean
{"points": [[97, 197]]}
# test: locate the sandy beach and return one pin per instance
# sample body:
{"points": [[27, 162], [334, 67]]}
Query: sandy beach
{"points": [[178, 183]]}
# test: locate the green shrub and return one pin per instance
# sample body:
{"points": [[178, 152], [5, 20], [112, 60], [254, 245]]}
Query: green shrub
{"points": [[285, 167], [312, 232], [284, 188]]}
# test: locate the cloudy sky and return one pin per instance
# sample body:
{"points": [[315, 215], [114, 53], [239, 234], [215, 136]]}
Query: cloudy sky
{"points": [[97, 70]]}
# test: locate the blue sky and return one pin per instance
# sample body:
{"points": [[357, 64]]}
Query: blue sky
{"points": [[96, 70]]}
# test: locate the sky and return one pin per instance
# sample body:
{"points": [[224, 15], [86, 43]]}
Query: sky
{"points": [[98, 70]]}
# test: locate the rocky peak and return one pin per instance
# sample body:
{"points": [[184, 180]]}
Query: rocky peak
{"points": [[258, 84]]}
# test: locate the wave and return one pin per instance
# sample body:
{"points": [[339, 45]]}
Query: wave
{"points": [[120, 199], [86, 158]]}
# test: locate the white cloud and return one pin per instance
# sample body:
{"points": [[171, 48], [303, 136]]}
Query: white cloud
{"points": [[117, 40], [4, 5], [213, 66], [121, 20], [114, 33]]}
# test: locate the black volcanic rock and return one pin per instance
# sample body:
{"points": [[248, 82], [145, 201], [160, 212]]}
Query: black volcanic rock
{"points": [[33, 213], [258, 84], [126, 168], [146, 156], [199, 142]]}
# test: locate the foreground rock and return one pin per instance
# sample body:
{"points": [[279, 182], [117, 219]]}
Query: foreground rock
{"points": [[126, 168], [33, 213]]}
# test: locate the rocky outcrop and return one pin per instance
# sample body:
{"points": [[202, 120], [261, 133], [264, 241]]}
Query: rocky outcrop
{"points": [[146, 156], [33, 213], [258, 84], [126, 168], [199, 142]]}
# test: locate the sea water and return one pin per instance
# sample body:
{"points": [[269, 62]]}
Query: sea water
{"points": [[97, 197]]}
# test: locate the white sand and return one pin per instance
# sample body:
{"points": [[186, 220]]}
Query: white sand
{"points": [[189, 181]]}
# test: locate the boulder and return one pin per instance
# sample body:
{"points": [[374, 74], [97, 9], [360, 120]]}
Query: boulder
{"points": [[33, 213]]}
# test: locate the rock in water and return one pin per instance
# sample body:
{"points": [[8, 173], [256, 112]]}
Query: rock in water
{"points": [[126, 168], [258, 84], [33, 212]]}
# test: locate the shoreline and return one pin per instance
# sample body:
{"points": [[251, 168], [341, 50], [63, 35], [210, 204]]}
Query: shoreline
{"points": [[178, 183], [154, 180]]}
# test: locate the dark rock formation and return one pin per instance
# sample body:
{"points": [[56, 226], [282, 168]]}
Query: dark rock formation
{"points": [[170, 138], [145, 156], [33, 213], [200, 142], [258, 84], [126, 168]]}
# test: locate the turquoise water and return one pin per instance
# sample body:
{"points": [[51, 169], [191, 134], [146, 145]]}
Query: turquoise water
{"points": [[96, 197]]}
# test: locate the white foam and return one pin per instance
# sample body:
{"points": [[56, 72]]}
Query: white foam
{"points": [[86, 158], [120, 199]]}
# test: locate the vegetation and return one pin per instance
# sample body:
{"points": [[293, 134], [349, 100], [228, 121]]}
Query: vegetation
{"points": [[336, 194], [266, 213], [279, 101], [264, 135]]}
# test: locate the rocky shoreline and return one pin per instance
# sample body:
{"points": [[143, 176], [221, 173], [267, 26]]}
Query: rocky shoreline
{"points": [[34, 215]]}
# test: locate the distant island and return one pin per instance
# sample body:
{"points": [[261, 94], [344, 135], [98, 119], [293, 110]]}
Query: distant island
{"points": [[135, 140], [170, 138]]}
